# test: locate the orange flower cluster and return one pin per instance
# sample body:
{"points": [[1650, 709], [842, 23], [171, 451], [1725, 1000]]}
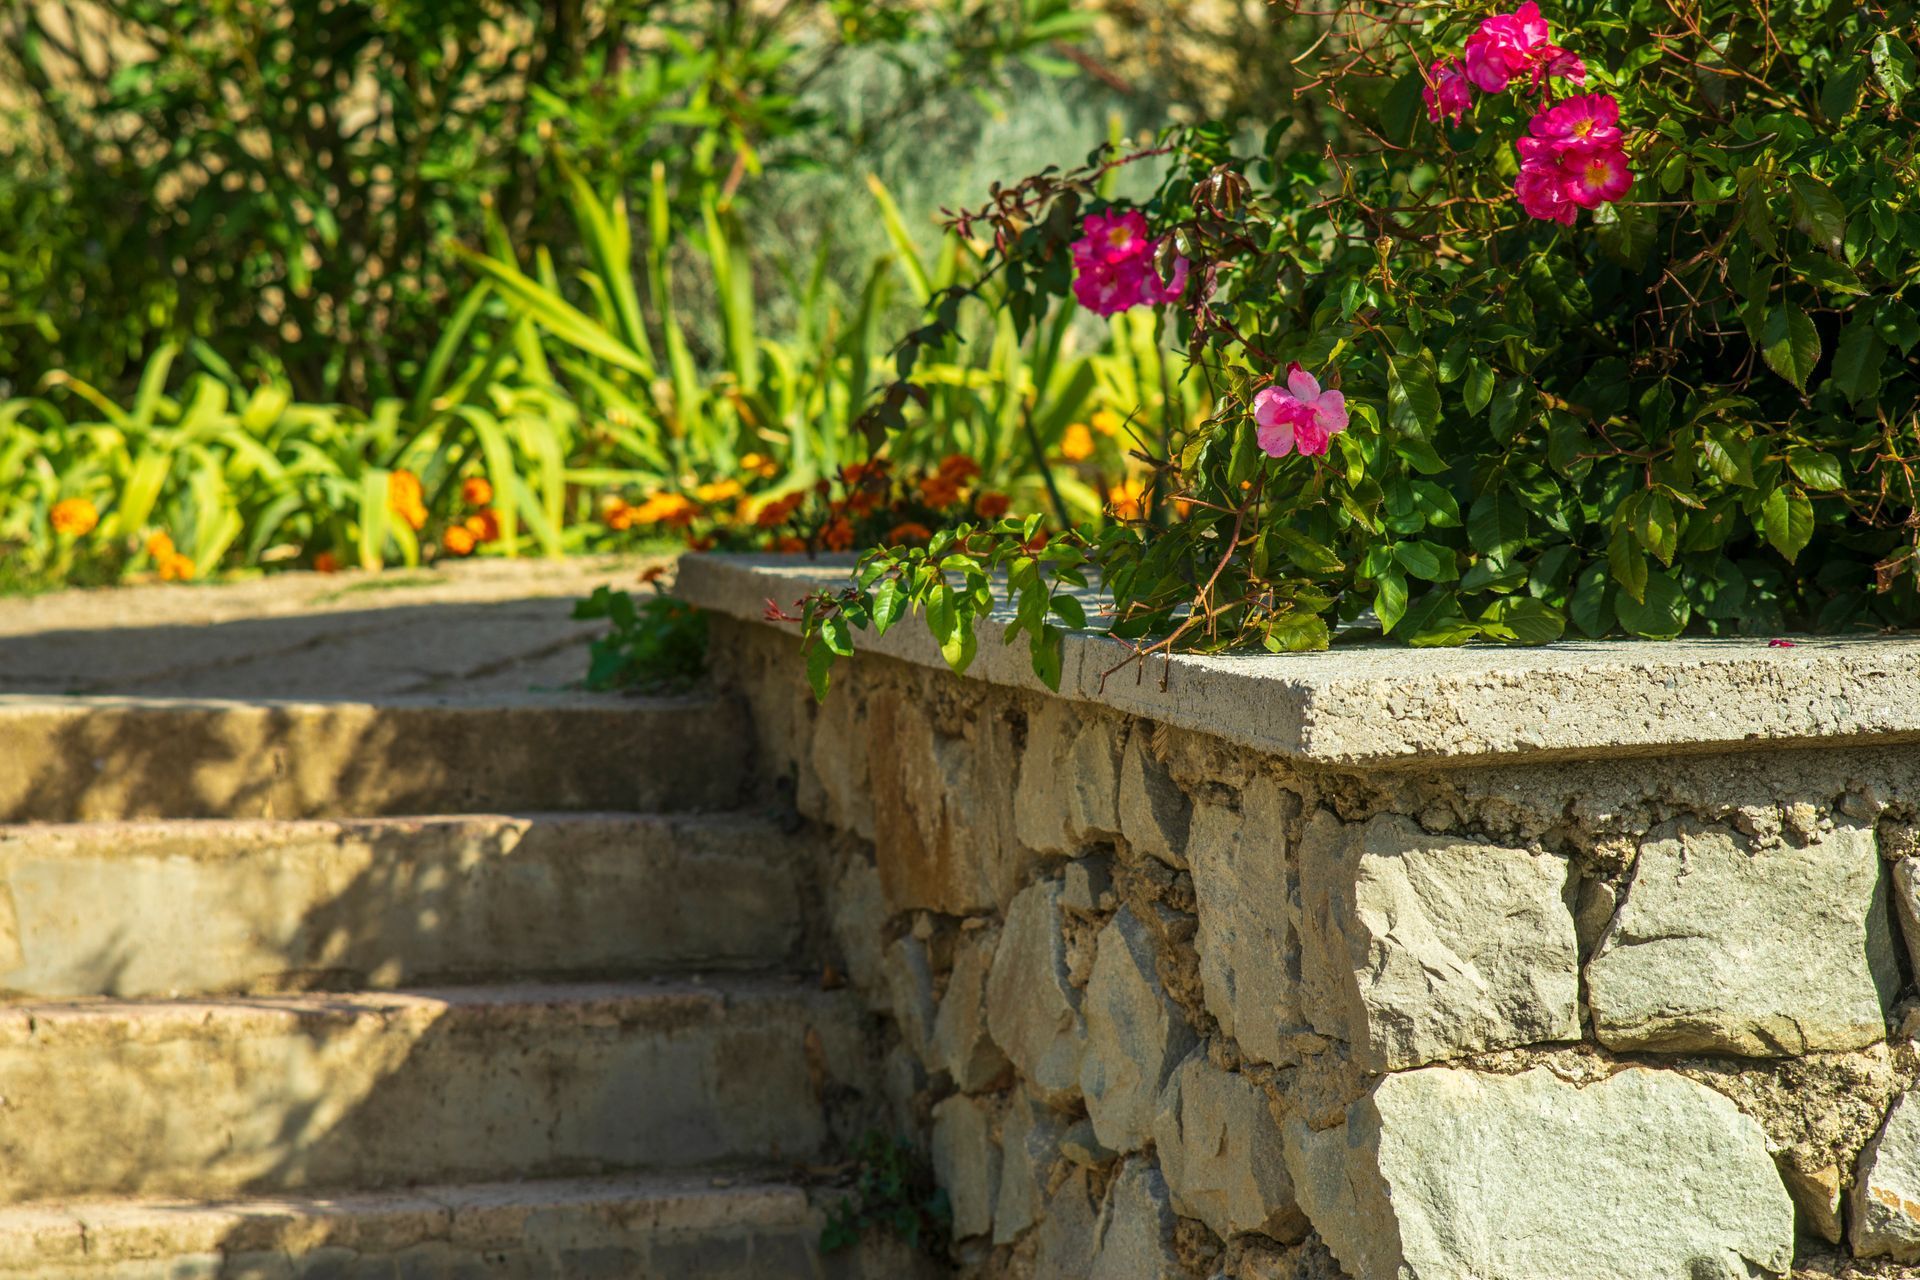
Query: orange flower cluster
{"points": [[74, 517], [670, 509], [777, 511], [406, 499], [173, 566], [482, 527], [863, 504]]}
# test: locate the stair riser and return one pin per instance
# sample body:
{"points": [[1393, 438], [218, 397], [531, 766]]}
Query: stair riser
{"points": [[86, 760], [165, 908], [213, 1101]]}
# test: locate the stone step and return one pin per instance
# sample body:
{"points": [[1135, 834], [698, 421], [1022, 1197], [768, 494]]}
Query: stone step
{"points": [[100, 759], [214, 1098], [740, 1226], [170, 907]]}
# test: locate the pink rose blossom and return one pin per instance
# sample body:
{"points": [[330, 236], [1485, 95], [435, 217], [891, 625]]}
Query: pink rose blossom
{"points": [[1572, 159], [1299, 416], [1543, 195], [1113, 265], [1589, 120], [1449, 93], [1510, 45], [1595, 177]]}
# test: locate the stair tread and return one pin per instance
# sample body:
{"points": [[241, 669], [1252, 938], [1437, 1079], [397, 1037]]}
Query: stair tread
{"points": [[674, 993], [723, 820], [129, 1228]]}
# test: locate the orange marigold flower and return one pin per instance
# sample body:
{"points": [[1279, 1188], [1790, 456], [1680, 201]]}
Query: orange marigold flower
{"points": [[719, 491], [484, 525], [790, 543], [159, 546], [1106, 422], [176, 568], [958, 468], [476, 491], [1124, 500], [759, 464], [857, 473], [665, 508], [457, 540], [75, 517], [908, 531], [406, 498], [1077, 444], [617, 514], [776, 511], [991, 506], [863, 502], [326, 562], [837, 536], [939, 490]]}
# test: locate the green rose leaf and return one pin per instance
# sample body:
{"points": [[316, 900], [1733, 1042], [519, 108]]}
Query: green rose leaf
{"points": [[1497, 523], [1790, 343], [1661, 615]]}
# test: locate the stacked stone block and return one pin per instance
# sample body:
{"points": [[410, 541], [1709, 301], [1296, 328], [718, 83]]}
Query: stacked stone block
{"points": [[1168, 1007]]}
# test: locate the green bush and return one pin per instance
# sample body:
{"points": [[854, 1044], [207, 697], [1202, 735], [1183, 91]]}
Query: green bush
{"points": [[280, 180], [1685, 406]]}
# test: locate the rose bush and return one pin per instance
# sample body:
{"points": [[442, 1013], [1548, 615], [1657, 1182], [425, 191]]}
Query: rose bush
{"points": [[1596, 315]]}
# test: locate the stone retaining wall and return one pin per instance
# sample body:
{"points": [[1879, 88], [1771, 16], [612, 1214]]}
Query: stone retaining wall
{"points": [[1168, 1005]]}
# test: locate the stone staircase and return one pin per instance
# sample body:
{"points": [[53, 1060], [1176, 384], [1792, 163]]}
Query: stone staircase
{"points": [[408, 988]]}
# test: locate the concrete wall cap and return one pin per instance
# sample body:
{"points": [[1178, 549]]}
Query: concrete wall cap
{"points": [[1377, 705]]}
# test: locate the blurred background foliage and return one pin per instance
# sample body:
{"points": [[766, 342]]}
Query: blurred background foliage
{"points": [[270, 267]]}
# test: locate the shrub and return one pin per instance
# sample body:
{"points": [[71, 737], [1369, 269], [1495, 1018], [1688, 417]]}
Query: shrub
{"points": [[278, 179], [1600, 318]]}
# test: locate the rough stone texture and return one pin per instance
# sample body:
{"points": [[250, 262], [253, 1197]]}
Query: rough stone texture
{"points": [[1722, 948], [839, 756], [962, 1044], [1067, 792], [1886, 1196], [1419, 947], [1817, 1193], [1030, 1150], [910, 980], [966, 1160], [1065, 1236], [1155, 814], [1136, 1035], [1222, 1153], [1033, 1011], [1247, 904], [1906, 897], [927, 830], [857, 908], [1443, 1172], [1133, 1238]]}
